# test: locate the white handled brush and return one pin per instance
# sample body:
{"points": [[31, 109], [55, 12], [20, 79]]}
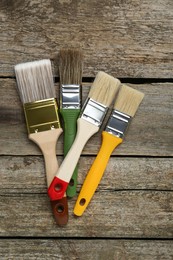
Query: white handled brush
{"points": [[101, 95]]}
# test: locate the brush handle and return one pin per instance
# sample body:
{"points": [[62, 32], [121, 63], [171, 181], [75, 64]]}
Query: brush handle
{"points": [[60, 211], [70, 117], [93, 178], [59, 185], [47, 142]]}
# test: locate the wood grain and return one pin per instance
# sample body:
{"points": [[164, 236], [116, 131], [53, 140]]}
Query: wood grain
{"points": [[150, 132], [131, 215], [128, 214], [85, 249], [20, 175], [129, 38]]}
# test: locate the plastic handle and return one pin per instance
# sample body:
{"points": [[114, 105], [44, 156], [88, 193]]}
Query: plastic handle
{"points": [[70, 117], [47, 141], [85, 130], [93, 178]]}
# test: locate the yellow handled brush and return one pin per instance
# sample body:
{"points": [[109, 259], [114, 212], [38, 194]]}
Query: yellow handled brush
{"points": [[125, 107]]}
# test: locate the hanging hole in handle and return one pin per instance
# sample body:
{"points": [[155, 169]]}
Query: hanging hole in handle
{"points": [[82, 202], [71, 183], [60, 209], [58, 187]]}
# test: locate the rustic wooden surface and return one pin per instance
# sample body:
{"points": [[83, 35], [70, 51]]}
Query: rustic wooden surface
{"points": [[83, 249], [131, 214], [128, 38], [153, 122]]}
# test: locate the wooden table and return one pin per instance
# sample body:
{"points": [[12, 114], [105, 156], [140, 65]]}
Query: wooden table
{"points": [[131, 215]]}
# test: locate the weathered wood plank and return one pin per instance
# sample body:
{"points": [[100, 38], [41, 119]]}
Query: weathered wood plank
{"points": [[130, 214], [27, 174], [125, 38], [85, 249], [150, 133]]}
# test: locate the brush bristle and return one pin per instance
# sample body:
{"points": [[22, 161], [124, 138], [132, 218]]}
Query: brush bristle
{"points": [[128, 100], [35, 80], [104, 88], [70, 66]]}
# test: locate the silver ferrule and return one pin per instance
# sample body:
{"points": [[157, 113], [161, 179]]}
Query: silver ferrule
{"points": [[94, 112], [117, 123], [70, 96]]}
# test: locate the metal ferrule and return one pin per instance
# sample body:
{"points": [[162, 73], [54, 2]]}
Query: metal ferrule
{"points": [[94, 112], [41, 115], [117, 123], [70, 96]]}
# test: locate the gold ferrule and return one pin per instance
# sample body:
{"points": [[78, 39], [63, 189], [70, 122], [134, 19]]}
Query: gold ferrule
{"points": [[41, 115]]}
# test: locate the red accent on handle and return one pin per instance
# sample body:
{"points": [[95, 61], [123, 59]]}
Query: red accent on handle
{"points": [[57, 189]]}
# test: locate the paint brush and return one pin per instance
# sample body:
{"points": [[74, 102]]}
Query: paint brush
{"points": [[70, 71], [101, 95], [37, 93], [125, 107]]}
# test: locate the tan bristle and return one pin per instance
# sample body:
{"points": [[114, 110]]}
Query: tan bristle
{"points": [[104, 88], [70, 66], [128, 100], [35, 80]]}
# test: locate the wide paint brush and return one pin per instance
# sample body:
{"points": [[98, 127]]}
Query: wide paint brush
{"points": [[37, 93], [70, 71], [125, 107], [101, 95]]}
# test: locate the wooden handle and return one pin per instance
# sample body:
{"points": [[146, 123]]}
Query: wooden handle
{"points": [[60, 211], [85, 130], [93, 178], [47, 142]]}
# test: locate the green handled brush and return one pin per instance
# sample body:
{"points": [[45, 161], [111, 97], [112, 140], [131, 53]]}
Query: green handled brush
{"points": [[70, 71]]}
